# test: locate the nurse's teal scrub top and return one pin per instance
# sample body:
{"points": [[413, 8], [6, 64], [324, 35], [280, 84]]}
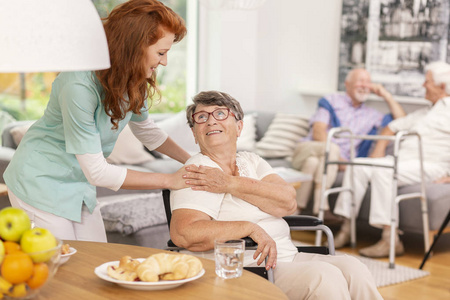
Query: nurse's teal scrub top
{"points": [[44, 171]]}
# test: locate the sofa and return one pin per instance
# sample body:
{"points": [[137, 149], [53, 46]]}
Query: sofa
{"points": [[137, 217]]}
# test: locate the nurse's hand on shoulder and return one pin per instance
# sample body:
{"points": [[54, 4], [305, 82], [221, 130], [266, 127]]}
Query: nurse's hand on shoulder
{"points": [[203, 178], [177, 179]]}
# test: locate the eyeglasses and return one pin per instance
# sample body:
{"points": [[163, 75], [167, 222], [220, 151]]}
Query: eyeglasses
{"points": [[219, 114]]}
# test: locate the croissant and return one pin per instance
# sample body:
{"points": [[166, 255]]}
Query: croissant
{"points": [[169, 267], [126, 270], [121, 274], [129, 264]]}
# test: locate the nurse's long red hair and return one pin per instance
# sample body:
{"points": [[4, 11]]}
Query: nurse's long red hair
{"points": [[130, 29]]}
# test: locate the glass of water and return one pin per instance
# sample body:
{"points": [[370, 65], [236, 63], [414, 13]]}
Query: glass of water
{"points": [[229, 257]]}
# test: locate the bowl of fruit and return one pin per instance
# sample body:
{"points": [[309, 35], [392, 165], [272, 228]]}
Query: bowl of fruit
{"points": [[29, 257]]}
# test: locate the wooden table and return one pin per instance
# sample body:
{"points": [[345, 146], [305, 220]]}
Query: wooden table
{"points": [[76, 279]]}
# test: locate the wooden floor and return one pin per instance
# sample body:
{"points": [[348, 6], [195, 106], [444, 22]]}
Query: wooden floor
{"points": [[436, 286]]}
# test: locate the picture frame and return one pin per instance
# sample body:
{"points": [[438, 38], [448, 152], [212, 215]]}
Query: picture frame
{"points": [[394, 40]]}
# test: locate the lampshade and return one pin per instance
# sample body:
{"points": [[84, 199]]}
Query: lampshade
{"points": [[51, 35]]}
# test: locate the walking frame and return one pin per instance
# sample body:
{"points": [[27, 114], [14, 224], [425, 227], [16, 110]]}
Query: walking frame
{"points": [[340, 132]]}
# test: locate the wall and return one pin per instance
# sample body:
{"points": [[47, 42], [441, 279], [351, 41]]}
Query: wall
{"points": [[228, 53], [298, 41], [281, 57]]}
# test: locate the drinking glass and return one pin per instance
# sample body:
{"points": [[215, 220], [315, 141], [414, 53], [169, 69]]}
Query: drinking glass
{"points": [[229, 257]]}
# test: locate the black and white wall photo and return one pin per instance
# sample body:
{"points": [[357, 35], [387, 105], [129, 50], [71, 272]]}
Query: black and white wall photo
{"points": [[394, 40]]}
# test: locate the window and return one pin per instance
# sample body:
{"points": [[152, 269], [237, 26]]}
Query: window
{"points": [[25, 96]]}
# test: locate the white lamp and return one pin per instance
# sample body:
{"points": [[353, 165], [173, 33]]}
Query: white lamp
{"points": [[51, 36], [233, 4]]}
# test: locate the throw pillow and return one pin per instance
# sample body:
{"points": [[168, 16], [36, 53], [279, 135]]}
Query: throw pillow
{"points": [[18, 132], [5, 119], [128, 150], [129, 213], [282, 136], [178, 129], [247, 140]]}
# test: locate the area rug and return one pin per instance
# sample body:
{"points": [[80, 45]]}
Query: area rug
{"points": [[382, 274]]}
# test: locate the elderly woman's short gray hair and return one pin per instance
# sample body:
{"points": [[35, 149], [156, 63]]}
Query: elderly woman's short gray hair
{"points": [[441, 73], [210, 98]]}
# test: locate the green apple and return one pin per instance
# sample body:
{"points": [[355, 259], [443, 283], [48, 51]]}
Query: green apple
{"points": [[13, 223], [37, 242], [2, 251]]}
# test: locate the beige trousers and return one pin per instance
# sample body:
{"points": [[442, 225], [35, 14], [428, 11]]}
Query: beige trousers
{"points": [[91, 227], [381, 180], [309, 158], [315, 276]]}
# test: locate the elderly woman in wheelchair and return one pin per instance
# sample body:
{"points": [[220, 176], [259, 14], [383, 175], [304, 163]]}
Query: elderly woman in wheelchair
{"points": [[235, 195]]}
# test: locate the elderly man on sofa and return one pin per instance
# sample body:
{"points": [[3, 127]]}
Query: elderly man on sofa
{"points": [[432, 123], [340, 110]]}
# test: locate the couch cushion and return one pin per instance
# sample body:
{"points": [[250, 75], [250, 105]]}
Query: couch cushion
{"points": [[162, 165], [128, 150], [282, 136], [177, 128], [279, 162], [263, 121], [129, 213], [6, 154], [153, 237], [247, 139], [438, 201], [18, 132], [5, 119]]}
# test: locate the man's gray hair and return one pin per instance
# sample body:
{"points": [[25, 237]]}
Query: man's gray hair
{"points": [[441, 73], [351, 73], [210, 98]]}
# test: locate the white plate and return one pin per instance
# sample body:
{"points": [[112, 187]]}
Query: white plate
{"points": [[65, 257], [101, 271]]}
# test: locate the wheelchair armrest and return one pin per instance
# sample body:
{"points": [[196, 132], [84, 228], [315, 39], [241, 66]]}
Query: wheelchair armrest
{"points": [[302, 220], [248, 243], [171, 244]]}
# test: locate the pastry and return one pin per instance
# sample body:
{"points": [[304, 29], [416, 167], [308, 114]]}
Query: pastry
{"points": [[126, 270], [128, 264], [65, 249], [169, 267], [119, 273]]}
